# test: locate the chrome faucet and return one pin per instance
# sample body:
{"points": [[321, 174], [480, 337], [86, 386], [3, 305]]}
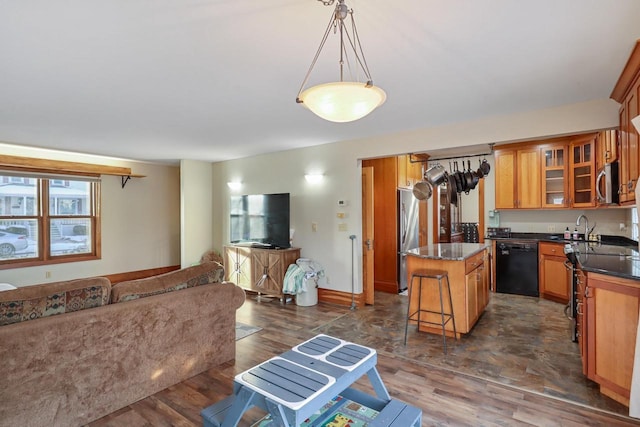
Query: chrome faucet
{"points": [[586, 225]]}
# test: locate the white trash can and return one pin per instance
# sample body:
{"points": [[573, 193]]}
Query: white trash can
{"points": [[310, 297], [309, 294]]}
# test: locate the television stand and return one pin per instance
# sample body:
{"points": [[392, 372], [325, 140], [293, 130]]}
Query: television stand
{"points": [[258, 269]]}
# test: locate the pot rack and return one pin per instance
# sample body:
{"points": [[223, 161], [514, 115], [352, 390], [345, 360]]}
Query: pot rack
{"points": [[438, 159]]}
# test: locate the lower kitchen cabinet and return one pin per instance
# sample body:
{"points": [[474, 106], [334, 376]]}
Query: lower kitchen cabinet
{"points": [[259, 270], [553, 277], [612, 306]]}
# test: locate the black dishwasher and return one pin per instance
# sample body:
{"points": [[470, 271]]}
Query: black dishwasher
{"points": [[517, 267]]}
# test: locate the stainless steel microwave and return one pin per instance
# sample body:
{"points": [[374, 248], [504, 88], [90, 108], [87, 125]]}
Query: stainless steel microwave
{"points": [[607, 184]]}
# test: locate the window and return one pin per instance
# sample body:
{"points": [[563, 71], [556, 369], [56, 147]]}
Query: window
{"points": [[48, 221], [634, 224]]}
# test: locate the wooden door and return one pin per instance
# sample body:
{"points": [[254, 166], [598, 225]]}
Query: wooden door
{"points": [[403, 178], [582, 181], [555, 172], [606, 147], [625, 155], [632, 138], [237, 266], [367, 234], [528, 178], [505, 173], [612, 321], [555, 279], [472, 285]]}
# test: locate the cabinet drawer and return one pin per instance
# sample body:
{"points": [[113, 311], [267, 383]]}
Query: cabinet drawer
{"points": [[553, 249], [473, 262]]}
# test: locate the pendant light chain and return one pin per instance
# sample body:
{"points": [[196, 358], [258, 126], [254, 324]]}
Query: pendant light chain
{"points": [[315, 58]]}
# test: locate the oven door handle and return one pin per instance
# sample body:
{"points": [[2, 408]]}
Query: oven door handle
{"points": [[568, 265]]}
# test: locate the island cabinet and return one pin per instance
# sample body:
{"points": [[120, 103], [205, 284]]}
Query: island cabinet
{"points": [[612, 306], [553, 276], [259, 270], [468, 267]]}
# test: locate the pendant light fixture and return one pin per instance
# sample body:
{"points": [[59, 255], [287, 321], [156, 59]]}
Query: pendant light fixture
{"points": [[342, 101]]}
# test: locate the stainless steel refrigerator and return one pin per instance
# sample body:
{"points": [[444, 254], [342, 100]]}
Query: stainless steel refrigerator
{"points": [[408, 232]]}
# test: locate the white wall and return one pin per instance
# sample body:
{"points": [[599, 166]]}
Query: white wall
{"points": [[284, 172], [140, 222], [196, 204]]}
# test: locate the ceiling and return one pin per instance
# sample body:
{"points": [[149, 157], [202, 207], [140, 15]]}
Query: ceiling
{"points": [[213, 80]]}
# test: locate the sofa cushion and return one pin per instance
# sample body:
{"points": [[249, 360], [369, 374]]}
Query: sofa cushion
{"points": [[48, 299], [208, 272]]}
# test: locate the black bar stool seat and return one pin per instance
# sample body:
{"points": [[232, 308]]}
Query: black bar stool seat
{"points": [[430, 274]]}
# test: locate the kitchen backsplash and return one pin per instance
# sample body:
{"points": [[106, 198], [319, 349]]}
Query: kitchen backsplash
{"points": [[615, 221]]}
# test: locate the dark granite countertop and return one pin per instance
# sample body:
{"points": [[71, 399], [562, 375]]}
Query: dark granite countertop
{"points": [[559, 238], [614, 255], [448, 251]]}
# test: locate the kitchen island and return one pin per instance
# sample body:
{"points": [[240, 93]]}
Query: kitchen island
{"points": [[468, 269]]}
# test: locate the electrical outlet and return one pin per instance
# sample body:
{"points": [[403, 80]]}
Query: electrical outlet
{"points": [[47, 275], [328, 279], [551, 228]]}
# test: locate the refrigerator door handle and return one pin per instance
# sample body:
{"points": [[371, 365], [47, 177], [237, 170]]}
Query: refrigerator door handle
{"points": [[403, 224]]}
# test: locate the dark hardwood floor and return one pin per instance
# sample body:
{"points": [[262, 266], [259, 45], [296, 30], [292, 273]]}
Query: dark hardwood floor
{"points": [[516, 368]]}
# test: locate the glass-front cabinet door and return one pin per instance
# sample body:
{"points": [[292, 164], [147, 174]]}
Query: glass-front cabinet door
{"points": [[555, 184], [583, 172]]}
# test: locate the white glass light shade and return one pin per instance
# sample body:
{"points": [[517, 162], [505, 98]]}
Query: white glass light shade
{"points": [[636, 123], [314, 178], [342, 101]]}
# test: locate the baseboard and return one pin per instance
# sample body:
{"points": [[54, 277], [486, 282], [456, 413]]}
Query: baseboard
{"points": [[140, 274], [390, 288], [340, 298]]}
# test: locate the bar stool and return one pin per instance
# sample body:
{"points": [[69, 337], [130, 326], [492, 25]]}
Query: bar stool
{"points": [[438, 275]]}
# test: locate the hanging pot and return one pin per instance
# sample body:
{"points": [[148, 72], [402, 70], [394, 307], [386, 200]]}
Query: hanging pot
{"points": [[451, 188], [479, 171], [485, 166], [422, 190], [474, 176], [459, 178], [435, 175], [468, 180]]}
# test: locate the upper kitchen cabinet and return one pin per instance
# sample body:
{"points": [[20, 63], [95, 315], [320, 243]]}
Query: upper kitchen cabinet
{"points": [[410, 169], [582, 177], [627, 93], [518, 182], [555, 172], [606, 147]]}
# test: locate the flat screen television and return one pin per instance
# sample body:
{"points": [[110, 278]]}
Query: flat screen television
{"points": [[260, 220]]}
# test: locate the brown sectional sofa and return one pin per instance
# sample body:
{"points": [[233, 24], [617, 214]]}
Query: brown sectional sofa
{"points": [[73, 356]]}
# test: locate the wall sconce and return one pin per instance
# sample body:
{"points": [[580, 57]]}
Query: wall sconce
{"points": [[234, 185], [314, 178]]}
